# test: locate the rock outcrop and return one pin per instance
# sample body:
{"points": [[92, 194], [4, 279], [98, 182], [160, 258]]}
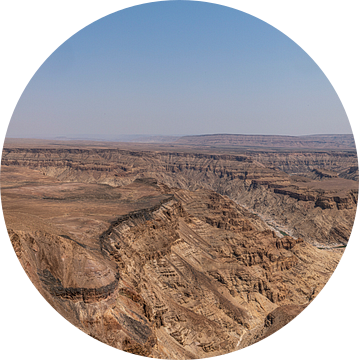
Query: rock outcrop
{"points": [[319, 206], [309, 164], [153, 269]]}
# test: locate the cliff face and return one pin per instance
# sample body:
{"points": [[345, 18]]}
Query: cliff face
{"points": [[159, 271], [321, 212], [319, 206], [312, 164]]}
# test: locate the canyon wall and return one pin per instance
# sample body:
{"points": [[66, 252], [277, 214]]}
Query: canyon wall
{"points": [[176, 274], [294, 192], [312, 164]]}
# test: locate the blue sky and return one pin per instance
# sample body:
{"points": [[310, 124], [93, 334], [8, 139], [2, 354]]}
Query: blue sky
{"points": [[178, 68]]}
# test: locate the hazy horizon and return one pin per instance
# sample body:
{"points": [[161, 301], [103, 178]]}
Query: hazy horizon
{"points": [[188, 68], [131, 137]]}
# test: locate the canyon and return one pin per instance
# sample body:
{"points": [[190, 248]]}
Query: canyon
{"points": [[177, 250]]}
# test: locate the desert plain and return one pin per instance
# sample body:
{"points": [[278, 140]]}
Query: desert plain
{"points": [[185, 247]]}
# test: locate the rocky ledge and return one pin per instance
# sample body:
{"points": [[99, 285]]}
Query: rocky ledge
{"points": [[191, 275], [308, 194]]}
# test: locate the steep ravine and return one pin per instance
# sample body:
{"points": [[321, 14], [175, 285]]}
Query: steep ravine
{"points": [[342, 163], [321, 211], [189, 275]]}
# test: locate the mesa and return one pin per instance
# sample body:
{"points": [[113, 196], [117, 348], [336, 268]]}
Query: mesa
{"points": [[175, 250]]}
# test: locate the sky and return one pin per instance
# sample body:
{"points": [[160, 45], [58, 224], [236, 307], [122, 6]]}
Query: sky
{"points": [[178, 68]]}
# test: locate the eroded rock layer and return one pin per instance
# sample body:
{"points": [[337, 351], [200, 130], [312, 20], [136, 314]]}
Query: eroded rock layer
{"points": [[310, 195], [152, 267]]}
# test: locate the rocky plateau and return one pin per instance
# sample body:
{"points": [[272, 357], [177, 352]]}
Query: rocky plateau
{"points": [[172, 252]]}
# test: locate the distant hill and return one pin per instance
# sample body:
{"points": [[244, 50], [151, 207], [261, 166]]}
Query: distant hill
{"points": [[225, 141], [323, 142]]}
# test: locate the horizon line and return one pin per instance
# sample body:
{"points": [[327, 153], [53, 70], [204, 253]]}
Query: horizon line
{"points": [[101, 137]]}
